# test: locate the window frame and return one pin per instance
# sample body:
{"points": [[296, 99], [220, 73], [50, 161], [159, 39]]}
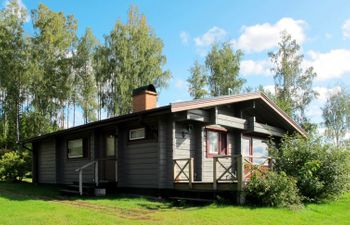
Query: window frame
{"points": [[222, 142], [84, 148], [251, 147], [138, 138]]}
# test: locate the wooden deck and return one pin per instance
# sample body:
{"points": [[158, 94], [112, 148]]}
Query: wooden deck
{"points": [[206, 186]]}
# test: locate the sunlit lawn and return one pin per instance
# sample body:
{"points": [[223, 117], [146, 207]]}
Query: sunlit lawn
{"points": [[29, 204]]}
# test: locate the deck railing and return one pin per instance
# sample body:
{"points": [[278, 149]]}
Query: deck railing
{"points": [[95, 163], [183, 170], [227, 166], [256, 164]]}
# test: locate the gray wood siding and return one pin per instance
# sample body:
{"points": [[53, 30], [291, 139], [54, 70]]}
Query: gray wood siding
{"points": [[165, 154], [47, 161], [138, 163], [69, 166], [185, 145]]}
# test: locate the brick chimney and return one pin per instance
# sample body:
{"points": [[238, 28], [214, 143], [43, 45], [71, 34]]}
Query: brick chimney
{"points": [[144, 98]]}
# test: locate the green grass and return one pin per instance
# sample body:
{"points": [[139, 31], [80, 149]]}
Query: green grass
{"points": [[28, 204]]}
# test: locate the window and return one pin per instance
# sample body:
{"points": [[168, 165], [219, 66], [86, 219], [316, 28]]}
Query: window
{"points": [[260, 149], [75, 148], [216, 143], [136, 134], [110, 145], [255, 149]]}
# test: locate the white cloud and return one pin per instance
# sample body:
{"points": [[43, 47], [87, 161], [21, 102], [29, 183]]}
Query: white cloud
{"points": [[265, 36], [270, 88], [185, 37], [181, 84], [324, 93], [22, 6], [314, 111], [214, 34], [251, 67], [328, 36], [329, 65], [346, 28]]}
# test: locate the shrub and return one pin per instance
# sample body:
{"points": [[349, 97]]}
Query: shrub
{"points": [[13, 166], [320, 171], [272, 189]]}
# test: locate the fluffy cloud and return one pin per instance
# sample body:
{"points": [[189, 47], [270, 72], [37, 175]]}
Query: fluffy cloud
{"points": [[22, 6], [346, 29], [251, 67], [185, 37], [265, 36], [324, 93], [181, 84], [329, 65], [214, 34]]}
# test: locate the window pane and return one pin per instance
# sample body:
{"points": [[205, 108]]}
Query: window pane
{"points": [[246, 147], [75, 148], [213, 142], [137, 134], [260, 149], [110, 144]]}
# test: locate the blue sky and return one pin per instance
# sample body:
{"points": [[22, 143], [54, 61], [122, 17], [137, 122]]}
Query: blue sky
{"points": [[188, 28]]}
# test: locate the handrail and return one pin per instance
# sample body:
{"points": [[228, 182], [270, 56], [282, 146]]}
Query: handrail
{"points": [[188, 163], [95, 163], [85, 166]]}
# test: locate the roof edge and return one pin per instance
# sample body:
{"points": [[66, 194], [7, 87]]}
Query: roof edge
{"points": [[221, 100]]}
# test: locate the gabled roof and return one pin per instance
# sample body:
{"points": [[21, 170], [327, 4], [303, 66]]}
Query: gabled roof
{"points": [[183, 106], [228, 99]]}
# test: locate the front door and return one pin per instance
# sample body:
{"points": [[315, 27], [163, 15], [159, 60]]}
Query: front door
{"points": [[111, 149]]}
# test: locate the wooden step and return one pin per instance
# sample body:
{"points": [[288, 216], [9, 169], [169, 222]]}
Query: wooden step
{"points": [[199, 200], [69, 192]]}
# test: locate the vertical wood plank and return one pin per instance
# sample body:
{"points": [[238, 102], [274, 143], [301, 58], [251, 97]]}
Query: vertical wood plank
{"points": [[214, 173]]}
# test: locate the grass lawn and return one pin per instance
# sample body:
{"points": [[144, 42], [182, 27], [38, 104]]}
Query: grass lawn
{"points": [[27, 204]]}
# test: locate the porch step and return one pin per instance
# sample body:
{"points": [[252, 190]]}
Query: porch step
{"points": [[73, 189], [69, 192], [192, 200]]}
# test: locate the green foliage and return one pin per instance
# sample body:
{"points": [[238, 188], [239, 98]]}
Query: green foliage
{"points": [[293, 85], [14, 165], [131, 57], [52, 62], [336, 115], [321, 171], [223, 65], [220, 73], [85, 89], [272, 189], [198, 81]]}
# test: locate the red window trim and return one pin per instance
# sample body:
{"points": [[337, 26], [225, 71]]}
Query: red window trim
{"points": [[222, 142]]}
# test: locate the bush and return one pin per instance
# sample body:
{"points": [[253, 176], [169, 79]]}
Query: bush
{"points": [[321, 172], [272, 189], [14, 166]]}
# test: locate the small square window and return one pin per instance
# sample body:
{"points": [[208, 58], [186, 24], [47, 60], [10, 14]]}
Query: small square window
{"points": [[136, 134], [75, 148]]}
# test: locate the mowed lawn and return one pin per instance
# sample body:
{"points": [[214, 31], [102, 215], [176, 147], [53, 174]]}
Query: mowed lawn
{"points": [[27, 204]]}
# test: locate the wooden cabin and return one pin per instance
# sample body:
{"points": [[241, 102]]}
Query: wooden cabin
{"points": [[203, 145]]}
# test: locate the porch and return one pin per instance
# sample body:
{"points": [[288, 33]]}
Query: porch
{"points": [[230, 173]]}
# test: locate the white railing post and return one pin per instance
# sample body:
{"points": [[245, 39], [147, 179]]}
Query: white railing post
{"points": [[81, 182], [96, 173]]}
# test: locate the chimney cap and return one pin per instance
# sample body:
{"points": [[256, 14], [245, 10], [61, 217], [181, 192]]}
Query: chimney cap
{"points": [[142, 89]]}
